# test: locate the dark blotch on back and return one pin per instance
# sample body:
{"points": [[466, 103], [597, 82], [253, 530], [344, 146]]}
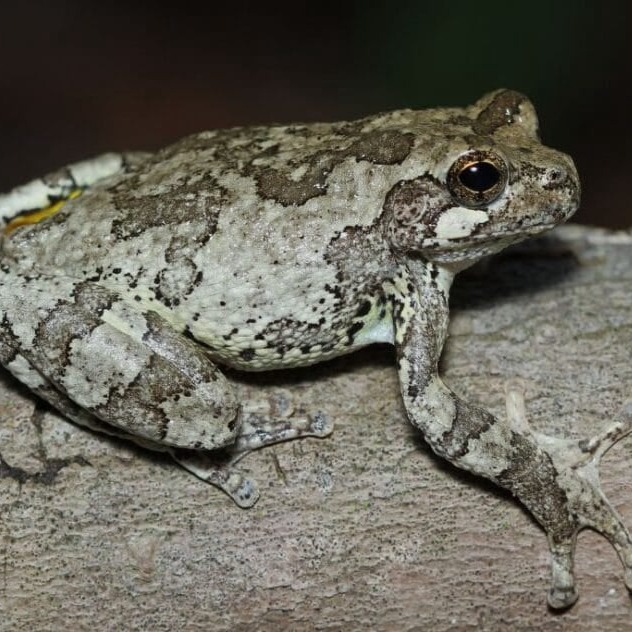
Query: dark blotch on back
{"points": [[197, 196], [388, 147]]}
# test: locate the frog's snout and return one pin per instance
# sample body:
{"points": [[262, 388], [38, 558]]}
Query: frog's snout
{"points": [[560, 183]]}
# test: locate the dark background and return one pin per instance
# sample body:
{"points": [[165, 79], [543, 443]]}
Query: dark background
{"points": [[82, 77]]}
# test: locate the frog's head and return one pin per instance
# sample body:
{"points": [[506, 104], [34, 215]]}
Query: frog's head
{"points": [[489, 183]]}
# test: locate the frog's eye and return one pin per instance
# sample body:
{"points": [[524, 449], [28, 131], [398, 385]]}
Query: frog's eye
{"points": [[477, 178]]}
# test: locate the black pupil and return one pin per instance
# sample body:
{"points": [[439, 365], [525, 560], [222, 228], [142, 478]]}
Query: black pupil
{"points": [[479, 176]]}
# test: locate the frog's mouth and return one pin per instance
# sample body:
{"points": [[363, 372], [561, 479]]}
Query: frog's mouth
{"points": [[465, 242], [465, 251]]}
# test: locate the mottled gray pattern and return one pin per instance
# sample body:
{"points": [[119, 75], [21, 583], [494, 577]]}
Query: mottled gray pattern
{"points": [[283, 246]]}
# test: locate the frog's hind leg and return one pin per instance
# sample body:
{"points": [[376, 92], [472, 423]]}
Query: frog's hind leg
{"points": [[214, 467], [114, 368], [104, 363], [211, 469]]}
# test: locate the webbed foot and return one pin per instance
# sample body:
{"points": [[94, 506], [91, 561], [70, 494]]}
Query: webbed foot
{"points": [[272, 423], [577, 466]]}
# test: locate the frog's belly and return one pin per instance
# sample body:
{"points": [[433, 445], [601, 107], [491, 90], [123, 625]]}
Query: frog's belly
{"points": [[288, 343]]}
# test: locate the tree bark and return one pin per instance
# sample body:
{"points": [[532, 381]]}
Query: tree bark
{"points": [[363, 530]]}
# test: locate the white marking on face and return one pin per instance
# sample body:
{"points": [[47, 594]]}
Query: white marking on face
{"points": [[459, 222]]}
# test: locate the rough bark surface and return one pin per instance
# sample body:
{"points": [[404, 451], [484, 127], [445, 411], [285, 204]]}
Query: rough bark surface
{"points": [[364, 530]]}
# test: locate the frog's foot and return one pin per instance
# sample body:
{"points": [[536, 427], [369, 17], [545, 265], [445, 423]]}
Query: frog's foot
{"points": [[275, 421], [577, 465], [272, 422]]}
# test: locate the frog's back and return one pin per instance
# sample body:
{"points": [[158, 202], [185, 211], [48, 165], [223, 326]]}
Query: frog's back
{"points": [[243, 202], [221, 185], [226, 228]]}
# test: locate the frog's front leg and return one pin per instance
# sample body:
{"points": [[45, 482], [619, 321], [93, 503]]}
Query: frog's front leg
{"points": [[97, 358], [556, 479]]}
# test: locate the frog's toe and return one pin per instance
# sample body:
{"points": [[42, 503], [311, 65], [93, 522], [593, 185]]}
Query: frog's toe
{"points": [[223, 475], [601, 443], [321, 424], [563, 592], [591, 510], [245, 493]]}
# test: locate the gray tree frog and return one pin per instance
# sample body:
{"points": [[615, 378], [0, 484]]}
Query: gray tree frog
{"points": [[127, 280]]}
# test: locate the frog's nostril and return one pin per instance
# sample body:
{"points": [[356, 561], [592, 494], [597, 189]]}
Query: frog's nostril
{"points": [[561, 178]]}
